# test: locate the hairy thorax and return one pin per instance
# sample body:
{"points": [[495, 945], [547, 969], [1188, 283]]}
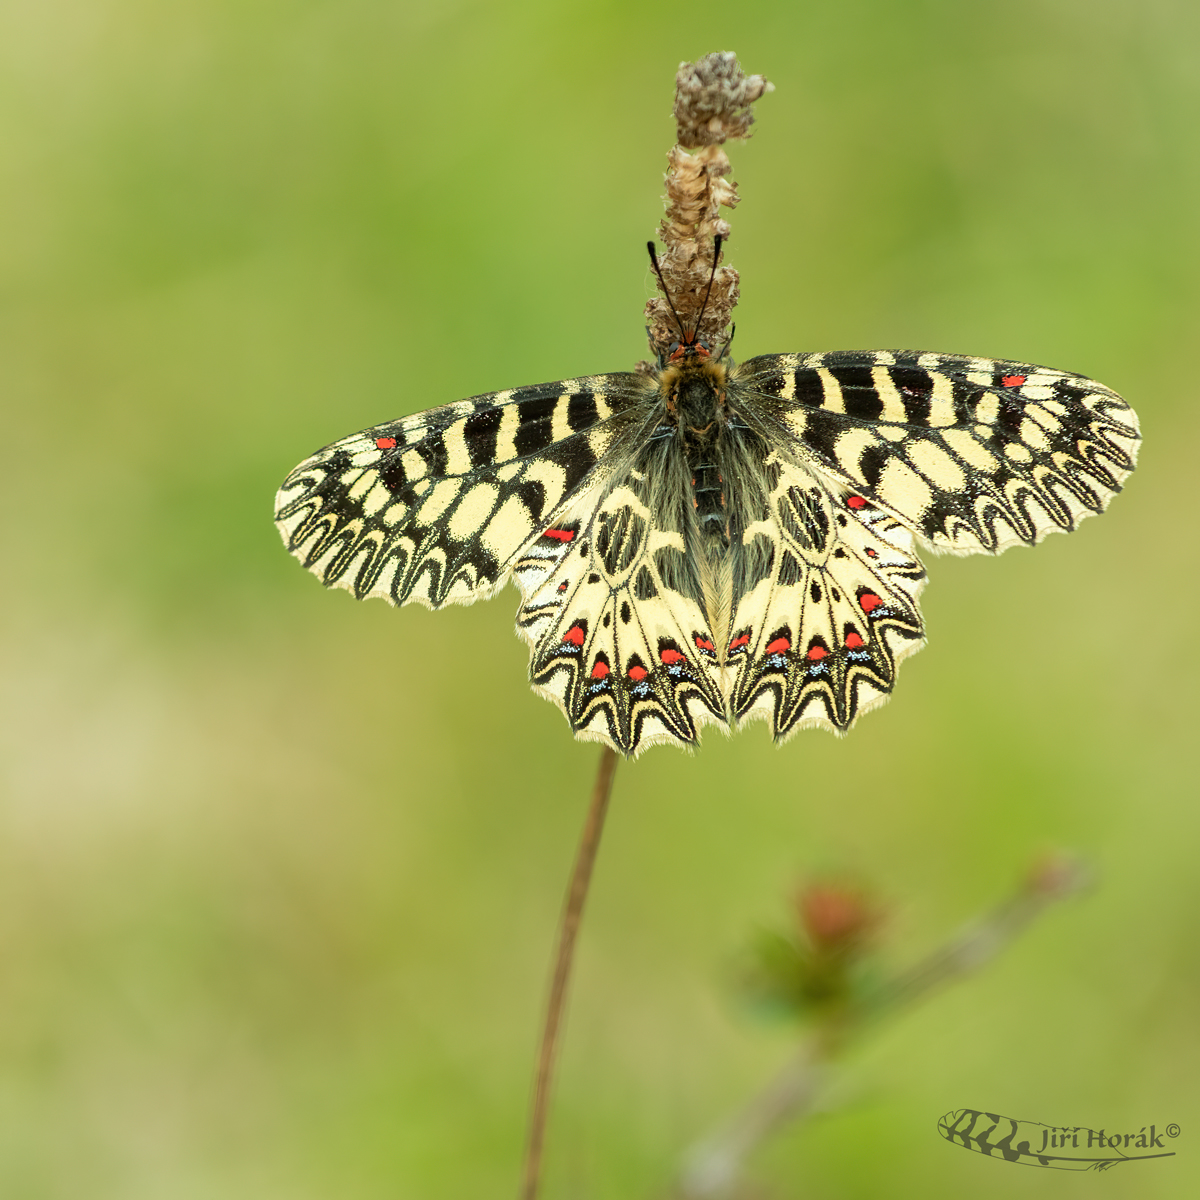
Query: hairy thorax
{"points": [[694, 390]]}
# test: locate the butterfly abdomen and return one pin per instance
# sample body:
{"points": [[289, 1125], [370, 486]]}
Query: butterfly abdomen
{"points": [[708, 498]]}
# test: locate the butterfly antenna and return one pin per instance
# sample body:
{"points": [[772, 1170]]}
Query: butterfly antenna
{"points": [[666, 290], [711, 276]]}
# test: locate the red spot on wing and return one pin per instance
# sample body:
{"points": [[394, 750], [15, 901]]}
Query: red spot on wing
{"points": [[705, 644], [560, 535], [600, 670], [816, 653], [385, 443], [670, 656], [562, 587], [856, 502], [853, 641], [637, 674], [779, 645], [742, 640], [869, 602], [574, 635], [1013, 380]]}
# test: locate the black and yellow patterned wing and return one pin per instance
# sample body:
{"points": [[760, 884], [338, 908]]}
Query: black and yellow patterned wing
{"points": [[437, 507], [612, 609], [973, 454], [872, 452], [819, 630], [538, 485]]}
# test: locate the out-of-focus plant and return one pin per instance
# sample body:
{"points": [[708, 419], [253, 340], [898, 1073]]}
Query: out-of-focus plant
{"points": [[826, 970], [824, 965]]}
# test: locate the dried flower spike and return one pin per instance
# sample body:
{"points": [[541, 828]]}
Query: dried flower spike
{"points": [[713, 98], [712, 103]]}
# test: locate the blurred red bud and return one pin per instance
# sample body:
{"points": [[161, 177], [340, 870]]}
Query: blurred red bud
{"points": [[835, 916], [1055, 874]]}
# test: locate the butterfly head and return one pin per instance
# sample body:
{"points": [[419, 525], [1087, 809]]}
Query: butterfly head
{"points": [[690, 348]]}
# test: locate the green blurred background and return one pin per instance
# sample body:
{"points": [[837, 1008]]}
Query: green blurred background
{"points": [[279, 872]]}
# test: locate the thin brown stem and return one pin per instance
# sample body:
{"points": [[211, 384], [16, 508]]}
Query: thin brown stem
{"points": [[581, 877]]}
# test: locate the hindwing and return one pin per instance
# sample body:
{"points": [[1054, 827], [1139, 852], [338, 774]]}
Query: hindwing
{"points": [[817, 637], [611, 608]]}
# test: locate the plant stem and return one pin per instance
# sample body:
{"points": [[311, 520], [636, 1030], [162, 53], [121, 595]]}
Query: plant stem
{"points": [[712, 1167], [585, 859]]}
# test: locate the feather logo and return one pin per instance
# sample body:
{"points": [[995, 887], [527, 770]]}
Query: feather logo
{"points": [[1062, 1147]]}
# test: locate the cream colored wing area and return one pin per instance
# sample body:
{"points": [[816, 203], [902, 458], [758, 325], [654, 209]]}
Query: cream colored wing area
{"points": [[829, 607], [620, 642], [974, 454], [435, 508]]}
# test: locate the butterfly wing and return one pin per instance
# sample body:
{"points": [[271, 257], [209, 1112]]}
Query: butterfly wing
{"points": [[437, 507], [580, 491], [827, 605], [620, 640], [970, 455], [973, 454]]}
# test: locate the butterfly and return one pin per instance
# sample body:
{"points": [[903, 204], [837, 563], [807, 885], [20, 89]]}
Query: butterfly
{"points": [[712, 541]]}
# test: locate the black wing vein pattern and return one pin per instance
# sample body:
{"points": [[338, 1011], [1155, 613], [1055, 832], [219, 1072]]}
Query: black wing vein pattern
{"points": [[436, 507], [973, 454]]}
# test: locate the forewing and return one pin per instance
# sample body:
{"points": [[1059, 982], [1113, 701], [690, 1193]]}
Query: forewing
{"points": [[973, 454], [436, 507], [620, 641], [829, 606]]}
